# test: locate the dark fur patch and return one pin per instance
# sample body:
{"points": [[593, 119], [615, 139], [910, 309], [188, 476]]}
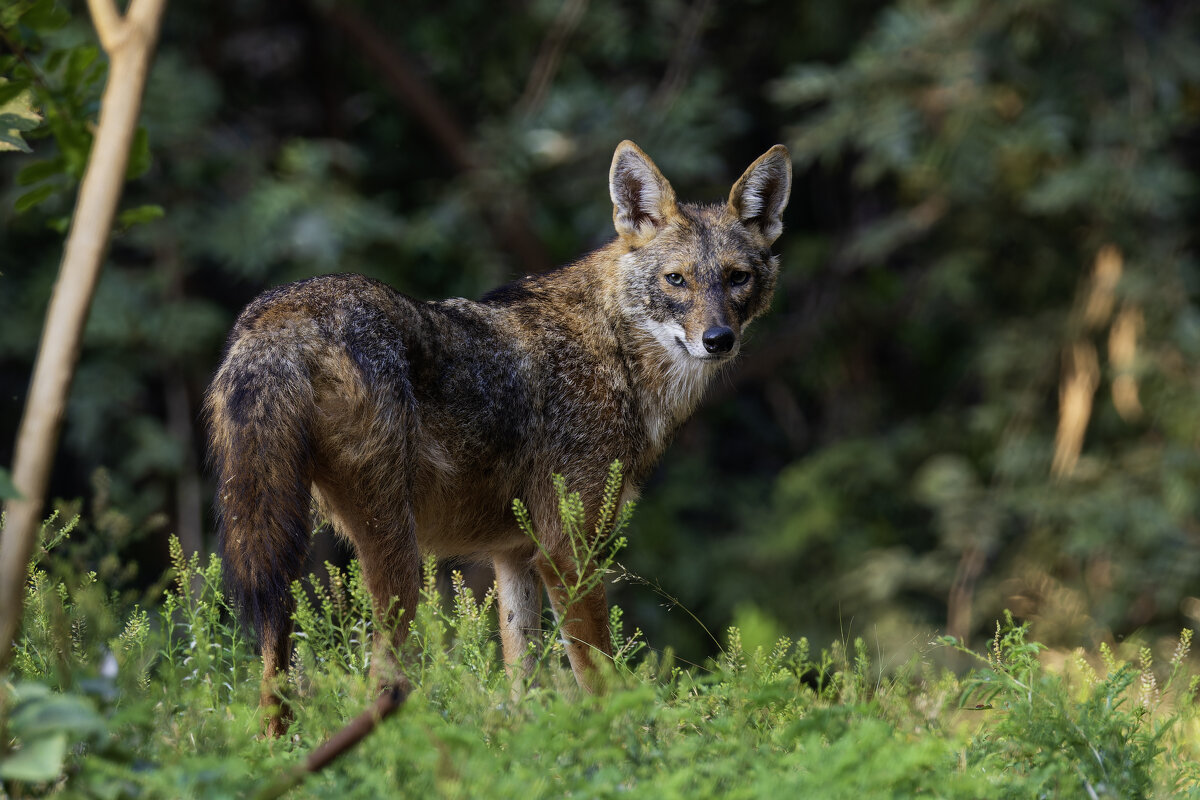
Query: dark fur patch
{"points": [[510, 294], [377, 348]]}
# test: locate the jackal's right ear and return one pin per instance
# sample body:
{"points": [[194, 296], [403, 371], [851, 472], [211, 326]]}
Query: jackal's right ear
{"points": [[761, 194], [643, 201]]}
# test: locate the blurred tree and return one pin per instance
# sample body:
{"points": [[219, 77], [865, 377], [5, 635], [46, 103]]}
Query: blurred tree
{"points": [[1024, 235]]}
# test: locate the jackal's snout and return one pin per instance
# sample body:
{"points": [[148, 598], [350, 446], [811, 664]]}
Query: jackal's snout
{"points": [[719, 339]]}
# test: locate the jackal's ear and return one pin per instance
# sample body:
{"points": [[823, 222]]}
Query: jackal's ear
{"points": [[643, 201], [761, 194]]}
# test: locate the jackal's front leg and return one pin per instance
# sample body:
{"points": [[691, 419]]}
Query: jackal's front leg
{"points": [[520, 596], [582, 608]]}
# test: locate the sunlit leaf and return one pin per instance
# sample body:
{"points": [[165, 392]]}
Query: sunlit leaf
{"points": [[17, 115], [11, 140], [11, 90]]}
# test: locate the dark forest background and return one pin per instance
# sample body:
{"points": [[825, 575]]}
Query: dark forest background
{"points": [[977, 388]]}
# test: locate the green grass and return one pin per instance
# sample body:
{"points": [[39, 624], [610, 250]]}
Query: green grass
{"points": [[111, 701]]}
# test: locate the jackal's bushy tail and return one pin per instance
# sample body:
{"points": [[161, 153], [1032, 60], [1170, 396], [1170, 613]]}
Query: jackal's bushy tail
{"points": [[260, 409]]}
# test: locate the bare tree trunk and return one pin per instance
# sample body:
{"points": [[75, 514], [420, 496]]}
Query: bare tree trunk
{"points": [[129, 41]]}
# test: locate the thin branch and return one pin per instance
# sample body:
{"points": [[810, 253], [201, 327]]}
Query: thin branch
{"points": [[110, 27], [145, 14], [20, 52], [682, 55], [550, 54], [403, 81], [503, 207]]}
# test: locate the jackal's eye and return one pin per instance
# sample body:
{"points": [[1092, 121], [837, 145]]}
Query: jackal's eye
{"points": [[739, 278], [674, 278]]}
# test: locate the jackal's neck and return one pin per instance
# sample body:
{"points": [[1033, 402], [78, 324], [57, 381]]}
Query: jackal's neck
{"points": [[668, 382], [593, 298]]}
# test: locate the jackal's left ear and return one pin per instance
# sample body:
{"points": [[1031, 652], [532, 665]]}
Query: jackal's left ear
{"points": [[761, 194], [643, 201]]}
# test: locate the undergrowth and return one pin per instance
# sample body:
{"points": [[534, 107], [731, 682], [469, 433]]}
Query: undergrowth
{"points": [[109, 700]]}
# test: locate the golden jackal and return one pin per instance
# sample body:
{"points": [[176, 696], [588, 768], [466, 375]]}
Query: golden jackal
{"points": [[415, 424]]}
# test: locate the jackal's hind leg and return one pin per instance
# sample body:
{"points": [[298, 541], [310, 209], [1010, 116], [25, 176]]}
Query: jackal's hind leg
{"points": [[276, 649], [385, 539], [394, 579], [520, 596]]}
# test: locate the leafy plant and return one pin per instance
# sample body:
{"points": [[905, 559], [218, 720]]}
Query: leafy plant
{"points": [[593, 552], [166, 704], [1098, 735]]}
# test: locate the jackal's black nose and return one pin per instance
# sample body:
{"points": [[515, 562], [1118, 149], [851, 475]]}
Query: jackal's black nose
{"points": [[718, 339]]}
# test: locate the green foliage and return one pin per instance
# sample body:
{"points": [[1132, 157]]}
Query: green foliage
{"points": [[1094, 736], [54, 73], [16, 116], [593, 553], [1001, 150], [338, 625], [45, 722], [50, 83], [165, 703]]}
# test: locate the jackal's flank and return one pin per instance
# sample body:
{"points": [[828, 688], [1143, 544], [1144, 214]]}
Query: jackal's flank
{"points": [[415, 424]]}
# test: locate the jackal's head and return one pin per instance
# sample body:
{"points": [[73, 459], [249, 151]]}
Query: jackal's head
{"points": [[694, 276]]}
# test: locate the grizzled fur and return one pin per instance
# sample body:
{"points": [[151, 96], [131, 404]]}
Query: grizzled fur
{"points": [[415, 424]]}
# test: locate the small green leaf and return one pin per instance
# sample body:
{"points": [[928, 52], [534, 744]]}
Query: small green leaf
{"points": [[13, 141], [11, 90], [55, 60], [139, 155], [31, 199], [40, 171], [46, 15], [74, 144], [139, 215], [40, 760], [39, 717], [77, 63], [18, 122]]}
